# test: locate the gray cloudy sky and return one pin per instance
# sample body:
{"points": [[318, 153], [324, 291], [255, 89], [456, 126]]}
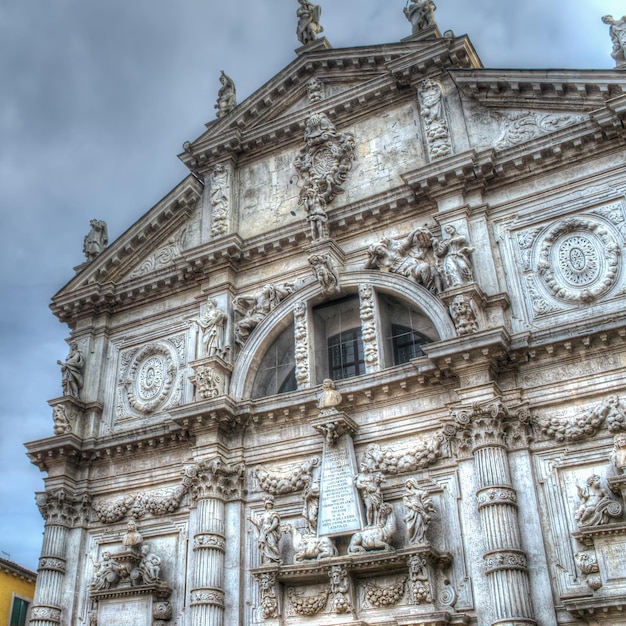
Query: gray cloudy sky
{"points": [[96, 100]]}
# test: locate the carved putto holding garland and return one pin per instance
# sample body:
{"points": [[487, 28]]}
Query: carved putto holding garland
{"points": [[324, 163]]}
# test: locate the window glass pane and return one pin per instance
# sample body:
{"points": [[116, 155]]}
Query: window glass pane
{"points": [[345, 354], [276, 372], [18, 614]]}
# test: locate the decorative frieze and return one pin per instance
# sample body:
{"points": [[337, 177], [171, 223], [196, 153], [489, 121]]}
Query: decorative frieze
{"points": [[382, 596], [164, 256], [420, 455], [307, 605], [521, 127]]}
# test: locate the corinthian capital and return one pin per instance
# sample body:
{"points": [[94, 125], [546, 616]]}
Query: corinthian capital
{"points": [[64, 507], [214, 478], [490, 423]]}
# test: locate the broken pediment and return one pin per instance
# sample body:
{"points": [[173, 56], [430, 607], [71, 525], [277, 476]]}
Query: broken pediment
{"points": [[345, 83]]}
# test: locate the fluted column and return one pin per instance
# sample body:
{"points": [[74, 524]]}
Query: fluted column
{"points": [[505, 561], [217, 482], [61, 511]]}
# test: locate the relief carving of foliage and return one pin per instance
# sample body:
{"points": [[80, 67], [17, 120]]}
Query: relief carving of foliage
{"points": [[164, 256], [389, 461], [610, 413], [521, 127], [286, 480]]}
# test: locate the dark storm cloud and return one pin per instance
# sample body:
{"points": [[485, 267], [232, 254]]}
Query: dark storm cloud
{"points": [[96, 99]]}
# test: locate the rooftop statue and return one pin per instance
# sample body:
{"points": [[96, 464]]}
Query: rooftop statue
{"points": [[308, 22], [617, 30], [226, 96], [421, 14], [96, 239]]}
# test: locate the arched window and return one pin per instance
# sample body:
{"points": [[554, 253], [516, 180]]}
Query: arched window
{"points": [[335, 342], [276, 372]]}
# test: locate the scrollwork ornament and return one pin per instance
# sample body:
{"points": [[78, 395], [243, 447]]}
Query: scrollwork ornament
{"points": [[578, 260], [45, 613]]}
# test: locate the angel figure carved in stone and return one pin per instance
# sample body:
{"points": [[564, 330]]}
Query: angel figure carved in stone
{"points": [[597, 506]]}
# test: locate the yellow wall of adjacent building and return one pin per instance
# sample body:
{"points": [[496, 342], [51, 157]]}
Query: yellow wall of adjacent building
{"points": [[10, 584]]}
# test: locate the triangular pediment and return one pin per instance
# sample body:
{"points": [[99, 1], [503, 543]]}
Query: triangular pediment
{"points": [[351, 79], [147, 246]]}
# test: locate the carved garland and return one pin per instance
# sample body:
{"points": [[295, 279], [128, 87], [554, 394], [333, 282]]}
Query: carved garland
{"points": [[301, 345], [286, 480], [578, 260], [368, 325], [611, 411]]}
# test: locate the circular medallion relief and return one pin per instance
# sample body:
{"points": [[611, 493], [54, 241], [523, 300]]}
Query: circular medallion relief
{"points": [[578, 260], [151, 376]]}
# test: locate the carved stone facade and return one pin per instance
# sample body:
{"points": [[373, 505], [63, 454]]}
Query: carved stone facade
{"points": [[365, 365]]}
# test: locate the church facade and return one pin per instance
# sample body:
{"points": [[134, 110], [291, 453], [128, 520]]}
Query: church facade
{"points": [[364, 365]]}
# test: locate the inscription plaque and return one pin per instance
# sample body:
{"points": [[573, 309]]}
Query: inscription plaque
{"points": [[339, 510], [135, 612], [612, 559]]}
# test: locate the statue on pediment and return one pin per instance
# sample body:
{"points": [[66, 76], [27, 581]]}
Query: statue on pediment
{"points": [[254, 308], [411, 257], [454, 254], [226, 96], [617, 31], [308, 22], [72, 371], [421, 14], [96, 240]]}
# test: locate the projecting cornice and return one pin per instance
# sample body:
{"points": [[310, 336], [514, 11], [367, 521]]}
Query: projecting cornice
{"points": [[583, 90]]}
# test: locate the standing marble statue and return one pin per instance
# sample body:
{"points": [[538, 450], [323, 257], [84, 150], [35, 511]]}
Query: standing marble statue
{"points": [[268, 525], [308, 22], [72, 371], [421, 14], [368, 483], [418, 509], [211, 322], [96, 240], [226, 96], [617, 30], [454, 253]]}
